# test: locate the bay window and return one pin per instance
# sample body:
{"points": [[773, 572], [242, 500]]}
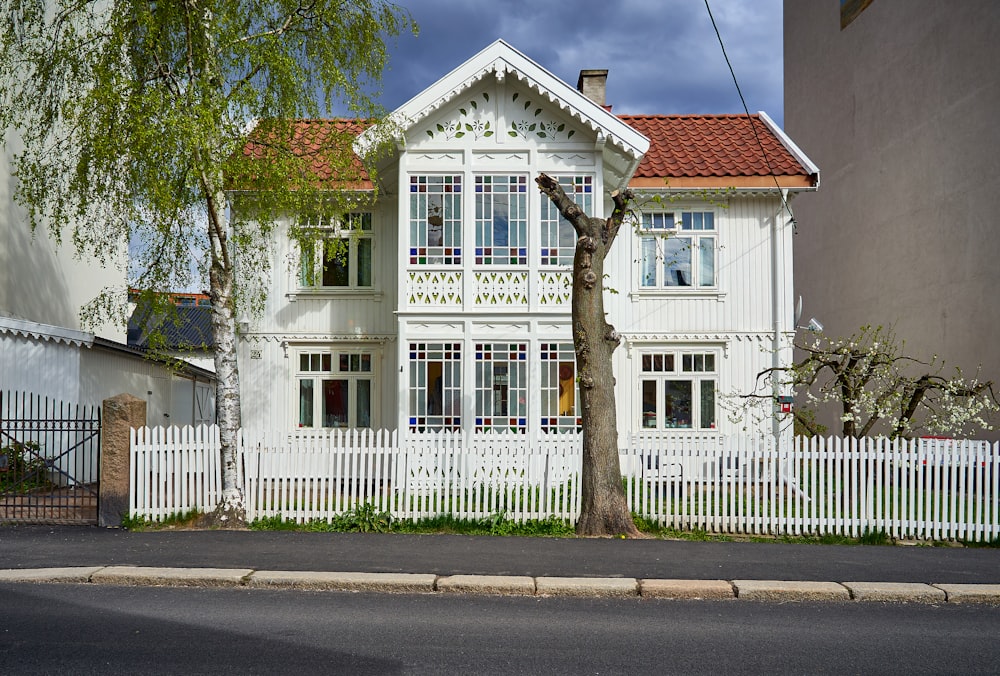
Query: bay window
{"points": [[435, 387], [501, 220], [435, 220], [558, 238], [501, 387], [560, 408]]}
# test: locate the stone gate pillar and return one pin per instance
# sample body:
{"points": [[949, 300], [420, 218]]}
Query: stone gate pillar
{"points": [[118, 415]]}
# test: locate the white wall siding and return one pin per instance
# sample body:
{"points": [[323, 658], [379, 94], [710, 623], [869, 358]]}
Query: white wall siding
{"points": [[268, 384], [43, 367], [44, 281], [743, 300]]}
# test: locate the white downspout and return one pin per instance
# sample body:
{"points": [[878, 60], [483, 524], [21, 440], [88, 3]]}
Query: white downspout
{"points": [[777, 312]]}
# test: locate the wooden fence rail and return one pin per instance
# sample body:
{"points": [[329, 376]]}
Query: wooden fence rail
{"points": [[931, 489]]}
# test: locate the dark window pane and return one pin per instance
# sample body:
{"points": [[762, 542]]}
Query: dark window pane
{"points": [[305, 403], [677, 403], [364, 403], [649, 404], [708, 404], [335, 264], [364, 262], [335, 403]]}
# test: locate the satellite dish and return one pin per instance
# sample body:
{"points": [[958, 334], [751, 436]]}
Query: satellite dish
{"points": [[798, 312]]}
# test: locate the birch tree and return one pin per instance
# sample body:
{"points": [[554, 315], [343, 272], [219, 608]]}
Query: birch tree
{"points": [[603, 509], [134, 119]]}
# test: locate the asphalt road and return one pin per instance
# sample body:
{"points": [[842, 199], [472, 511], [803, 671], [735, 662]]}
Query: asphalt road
{"points": [[47, 546], [90, 629]]}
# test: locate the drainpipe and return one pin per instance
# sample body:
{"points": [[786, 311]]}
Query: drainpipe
{"points": [[777, 310]]}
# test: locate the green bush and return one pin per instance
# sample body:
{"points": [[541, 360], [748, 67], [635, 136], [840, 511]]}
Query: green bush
{"points": [[26, 469]]}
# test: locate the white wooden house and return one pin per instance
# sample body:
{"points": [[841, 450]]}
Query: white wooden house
{"points": [[451, 308]]}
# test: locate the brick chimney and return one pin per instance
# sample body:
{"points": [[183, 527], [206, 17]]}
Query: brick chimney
{"points": [[592, 84]]}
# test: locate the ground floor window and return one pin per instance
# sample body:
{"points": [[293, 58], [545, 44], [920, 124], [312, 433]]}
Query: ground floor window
{"points": [[501, 387], [334, 389], [560, 411], [435, 388], [678, 389]]}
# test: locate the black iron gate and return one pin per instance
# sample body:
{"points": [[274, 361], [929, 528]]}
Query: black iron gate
{"points": [[49, 460]]}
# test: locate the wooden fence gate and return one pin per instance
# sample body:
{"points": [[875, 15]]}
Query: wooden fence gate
{"points": [[49, 460]]}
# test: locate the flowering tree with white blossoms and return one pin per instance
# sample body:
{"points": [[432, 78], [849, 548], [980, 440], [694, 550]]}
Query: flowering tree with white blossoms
{"points": [[878, 388]]}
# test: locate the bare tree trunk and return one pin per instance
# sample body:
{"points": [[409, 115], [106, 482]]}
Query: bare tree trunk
{"points": [[604, 510]]}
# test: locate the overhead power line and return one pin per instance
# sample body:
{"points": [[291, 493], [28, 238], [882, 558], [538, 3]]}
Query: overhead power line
{"points": [[753, 127]]}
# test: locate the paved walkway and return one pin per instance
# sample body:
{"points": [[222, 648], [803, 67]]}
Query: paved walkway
{"points": [[544, 566]]}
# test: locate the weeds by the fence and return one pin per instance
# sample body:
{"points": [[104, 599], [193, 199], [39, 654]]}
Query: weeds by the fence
{"points": [[366, 518], [187, 519]]}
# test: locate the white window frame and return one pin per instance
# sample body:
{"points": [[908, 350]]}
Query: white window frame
{"points": [[664, 367], [513, 189], [552, 251], [557, 388], [354, 230], [659, 233], [334, 363], [425, 245], [501, 372], [430, 405]]}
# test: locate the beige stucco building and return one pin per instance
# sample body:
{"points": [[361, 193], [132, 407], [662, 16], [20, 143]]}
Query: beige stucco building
{"points": [[899, 108]]}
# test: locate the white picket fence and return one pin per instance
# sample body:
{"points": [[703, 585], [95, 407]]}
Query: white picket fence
{"points": [[925, 488]]}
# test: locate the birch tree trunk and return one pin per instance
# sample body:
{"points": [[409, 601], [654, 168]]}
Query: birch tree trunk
{"points": [[604, 510], [231, 510]]}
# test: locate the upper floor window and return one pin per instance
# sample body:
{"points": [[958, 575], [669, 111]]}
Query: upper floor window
{"points": [[558, 239], [677, 250], [501, 220], [678, 390], [435, 220], [341, 255]]}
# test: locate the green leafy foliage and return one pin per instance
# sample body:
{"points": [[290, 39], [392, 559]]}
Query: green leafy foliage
{"points": [[24, 468], [134, 118], [367, 519]]}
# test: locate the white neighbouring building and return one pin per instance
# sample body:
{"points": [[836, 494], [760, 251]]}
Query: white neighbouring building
{"points": [[45, 349], [451, 307]]}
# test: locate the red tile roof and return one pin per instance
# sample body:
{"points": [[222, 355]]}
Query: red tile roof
{"points": [[316, 141], [716, 150], [684, 151]]}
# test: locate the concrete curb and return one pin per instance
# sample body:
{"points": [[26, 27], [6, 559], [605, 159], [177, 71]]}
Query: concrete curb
{"points": [[171, 577], [587, 586], [686, 589], [505, 585], [513, 585], [77, 574], [971, 593], [782, 590], [378, 582], [907, 592]]}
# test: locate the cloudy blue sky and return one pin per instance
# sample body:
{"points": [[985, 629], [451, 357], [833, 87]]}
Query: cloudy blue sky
{"points": [[663, 55]]}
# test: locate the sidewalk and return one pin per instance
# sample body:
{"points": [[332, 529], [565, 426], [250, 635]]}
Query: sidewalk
{"points": [[271, 558]]}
